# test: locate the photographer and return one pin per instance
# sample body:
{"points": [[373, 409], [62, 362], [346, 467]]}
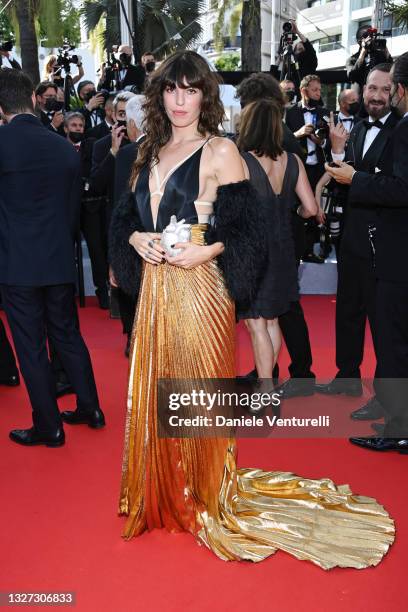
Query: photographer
{"points": [[125, 74], [103, 129], [52, 71], [7, 55], [304, 54], [92, 104], [51, 114], [371, 53]]}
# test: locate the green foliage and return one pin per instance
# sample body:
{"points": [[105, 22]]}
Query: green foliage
{"points": [[58, 20], [228, 62], [6, 27], [96, 12], [221, 27], [399, 12]]}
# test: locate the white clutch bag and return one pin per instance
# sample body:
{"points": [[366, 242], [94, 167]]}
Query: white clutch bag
{"points": [[176, 231]]}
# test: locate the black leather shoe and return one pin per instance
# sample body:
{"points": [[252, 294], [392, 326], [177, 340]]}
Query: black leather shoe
{"points": [[11, 381], [296, 387], [312, 258], [63, 389], [127, 347], [94, 419], [370, 412], [103, 298], [348, 386], [382, 444], [31, 437], [379, 428]]}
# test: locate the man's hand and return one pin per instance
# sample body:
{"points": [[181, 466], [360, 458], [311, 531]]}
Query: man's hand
{"points": [[118, 133], [338, 135], [343, 173], [316, 140], [57, 120], [95, 102], [305, 130]]}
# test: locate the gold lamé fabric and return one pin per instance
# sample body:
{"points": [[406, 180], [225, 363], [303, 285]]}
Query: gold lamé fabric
{"points": [[185, 328]]}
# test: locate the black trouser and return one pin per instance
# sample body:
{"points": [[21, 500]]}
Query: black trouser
{"points": [[94, 230], [296, 336], [391, 384], [8, 366], [33, 313], [355, 303], [311, 229], [127, 308], [60, 375]]}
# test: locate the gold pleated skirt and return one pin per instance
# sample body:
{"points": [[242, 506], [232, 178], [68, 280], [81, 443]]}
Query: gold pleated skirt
{"points": [[185, 329]]}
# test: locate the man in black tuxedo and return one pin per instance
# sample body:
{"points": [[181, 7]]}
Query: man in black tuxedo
{"points": [[39, 207], [370, 151], [390, 194], [46, 95], [349, 106], [105, 127], [125, 159], [305, 119], [93, 103], [129, 75], [6, 53]]}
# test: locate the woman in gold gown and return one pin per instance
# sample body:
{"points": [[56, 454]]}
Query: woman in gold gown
{"points": [[184, 329]]}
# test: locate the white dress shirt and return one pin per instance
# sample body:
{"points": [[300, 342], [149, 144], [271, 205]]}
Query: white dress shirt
{"points": [[369, 138], [345, 121], [311, 159]]}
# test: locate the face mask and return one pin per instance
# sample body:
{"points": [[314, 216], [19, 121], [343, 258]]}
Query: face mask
{"points": [[50, 104], [312, 103], [353, 108], [121, 122], [150, 66], [125, 59], [76, 137], [291, 95]]}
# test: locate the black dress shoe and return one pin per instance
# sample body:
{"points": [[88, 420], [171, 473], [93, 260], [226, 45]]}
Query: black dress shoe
{"points": [[370, 412], [94, 419], [379, 428], [103, 298], [11, 381], [296, 387], [63, 389], [312, 258], [383, 444], [348, 386], [31, 437]]}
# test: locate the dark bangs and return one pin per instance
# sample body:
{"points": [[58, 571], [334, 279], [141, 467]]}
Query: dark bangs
{"points": [[184, 69]]}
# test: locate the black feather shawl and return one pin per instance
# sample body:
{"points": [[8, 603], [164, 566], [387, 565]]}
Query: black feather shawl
{"points": [[238, 225]]}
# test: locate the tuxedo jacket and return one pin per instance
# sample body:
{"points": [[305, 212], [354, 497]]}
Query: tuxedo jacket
{"points": [[295, 119], [379, 157], [123, 169], [46, 121], [40, 191], [99, 131], [135, 75], [389, 193]]}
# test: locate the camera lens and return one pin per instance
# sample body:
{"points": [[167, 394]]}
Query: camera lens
{"points": [[287, 27]]}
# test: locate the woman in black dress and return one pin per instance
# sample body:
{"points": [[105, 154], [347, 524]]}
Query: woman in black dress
{"points": [[280, 180]]}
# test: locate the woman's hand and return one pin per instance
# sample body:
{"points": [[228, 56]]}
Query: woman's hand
{"points": [[194, 255], [147, 245], [112, 279]]}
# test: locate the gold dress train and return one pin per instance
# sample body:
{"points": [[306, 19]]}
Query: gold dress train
{"points": [[184, 328]]}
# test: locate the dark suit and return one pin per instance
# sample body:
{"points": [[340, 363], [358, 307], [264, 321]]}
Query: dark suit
{"points": [[93, 118], [356, 279], [123, 168], [390, 195], [135, 75], [39, 212], [99, 131], [8, 365], [103, 170], [46, 121]]}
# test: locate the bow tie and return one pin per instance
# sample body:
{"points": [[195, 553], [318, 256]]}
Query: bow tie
{"points": [[309, 110], [347, 119], [370, 124]]}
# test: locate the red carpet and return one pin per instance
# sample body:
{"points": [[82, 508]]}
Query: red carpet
{"points": [[60, 532]]}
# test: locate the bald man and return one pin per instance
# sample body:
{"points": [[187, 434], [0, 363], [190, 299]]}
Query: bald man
{"points": [[349, 106], [129, 75]]}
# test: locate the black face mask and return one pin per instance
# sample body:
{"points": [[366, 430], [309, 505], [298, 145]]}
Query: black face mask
{"points": [[125, 59], [150, 66], [122, 123], [291, 95], [312, 103], [353, 108], [52, 105], [76, 137]]}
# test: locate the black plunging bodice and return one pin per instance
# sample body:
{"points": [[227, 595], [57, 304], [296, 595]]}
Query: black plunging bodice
{"points": [[180, 192]]}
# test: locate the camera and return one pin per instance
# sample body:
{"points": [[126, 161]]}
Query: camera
{"points": [[322, 129], [7, 45], [288, 35], [53, 106], [64, 58]]}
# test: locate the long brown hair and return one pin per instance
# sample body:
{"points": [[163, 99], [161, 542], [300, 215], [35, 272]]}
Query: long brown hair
{"points": [[260, 129], [178, 69]]}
